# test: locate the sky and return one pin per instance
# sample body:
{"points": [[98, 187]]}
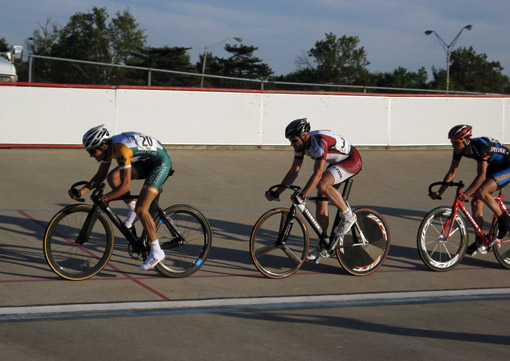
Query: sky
{"points": [[390, 31]]}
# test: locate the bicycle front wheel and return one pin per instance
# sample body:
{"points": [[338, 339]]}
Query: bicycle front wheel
{"points": [[279, 245], [359, 258], [69, 256], [183, 255], [439, 250]]}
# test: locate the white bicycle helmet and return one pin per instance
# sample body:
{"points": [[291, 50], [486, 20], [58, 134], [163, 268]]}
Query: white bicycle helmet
{"points": [[95, 137]]}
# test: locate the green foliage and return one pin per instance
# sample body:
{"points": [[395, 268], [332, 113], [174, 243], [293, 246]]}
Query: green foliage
{"points": [[401, 78], [242, 63], [4, 46], [165, 58], [470, 71], [336, 61]]}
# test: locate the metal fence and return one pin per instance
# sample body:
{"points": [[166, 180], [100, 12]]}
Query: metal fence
{"points": [[45, 69]]}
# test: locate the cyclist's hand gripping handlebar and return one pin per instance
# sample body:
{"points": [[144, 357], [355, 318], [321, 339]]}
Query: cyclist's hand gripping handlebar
{"points": [[75, 193], [297, 196], [459, 186]]}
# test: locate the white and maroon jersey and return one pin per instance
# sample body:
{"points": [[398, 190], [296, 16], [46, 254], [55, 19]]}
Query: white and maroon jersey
{"points": [[324, 144]]}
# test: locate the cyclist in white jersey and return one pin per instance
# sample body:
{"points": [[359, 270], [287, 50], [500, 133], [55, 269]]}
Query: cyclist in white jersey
{"points": [[139, 156], [329, 150]]}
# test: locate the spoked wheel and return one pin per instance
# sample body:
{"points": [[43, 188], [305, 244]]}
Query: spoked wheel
{"points": [[183, 255], [439, 250], [73, 257], [502, 249], [362, 259], [279, 245]]}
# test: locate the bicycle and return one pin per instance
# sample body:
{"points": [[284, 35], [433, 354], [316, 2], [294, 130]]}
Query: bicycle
{"points": [[443, 235], [79, 239], [280, 239]]}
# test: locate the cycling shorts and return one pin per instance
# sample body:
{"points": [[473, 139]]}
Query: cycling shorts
{"points": [[347, 168], [155, 172], [502, 177]]}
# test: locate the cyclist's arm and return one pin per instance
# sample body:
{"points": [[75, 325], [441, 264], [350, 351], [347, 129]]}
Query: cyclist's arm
{"points": [[125, 184], [318, 168], [450, 175], [290, 177], [481, 170], [98, 178]]}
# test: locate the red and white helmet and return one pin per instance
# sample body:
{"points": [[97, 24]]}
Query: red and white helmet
{"points": [[460, 131]]}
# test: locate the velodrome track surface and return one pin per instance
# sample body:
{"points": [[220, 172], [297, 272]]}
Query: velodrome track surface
{"points": [[227, 310]]}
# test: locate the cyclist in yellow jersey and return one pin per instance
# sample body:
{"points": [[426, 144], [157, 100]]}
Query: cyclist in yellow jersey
{"points": [[138, 156]]}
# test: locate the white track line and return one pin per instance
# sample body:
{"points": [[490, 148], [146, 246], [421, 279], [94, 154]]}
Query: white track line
{"points": [[245, 304]]}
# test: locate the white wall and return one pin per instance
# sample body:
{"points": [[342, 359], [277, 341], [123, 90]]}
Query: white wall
{"points": [[60, 115]]}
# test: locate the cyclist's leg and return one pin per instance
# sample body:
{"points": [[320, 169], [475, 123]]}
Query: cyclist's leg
{"points": [[477, 212], [153, 182], [337, 174], [495, 181], [113, 178]]}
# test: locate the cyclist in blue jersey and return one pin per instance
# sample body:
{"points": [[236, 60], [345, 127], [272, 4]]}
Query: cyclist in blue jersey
{"points": [[493, 173], [335, 161], [138, 156]]}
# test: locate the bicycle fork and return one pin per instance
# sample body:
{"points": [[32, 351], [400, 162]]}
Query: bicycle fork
{"points": [[86, 229]]}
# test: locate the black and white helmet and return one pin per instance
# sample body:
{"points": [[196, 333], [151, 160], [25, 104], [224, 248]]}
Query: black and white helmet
{"points": [[95, 137], [297, 128]]}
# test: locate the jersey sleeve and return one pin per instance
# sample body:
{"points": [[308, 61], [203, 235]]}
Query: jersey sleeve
{"points": [[123, 154]]}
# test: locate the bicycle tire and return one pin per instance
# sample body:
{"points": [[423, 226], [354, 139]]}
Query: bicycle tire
{"points": [[70, 260], [501, 250], [436, 253], [183, 257], [365, 260], [273, 260]]}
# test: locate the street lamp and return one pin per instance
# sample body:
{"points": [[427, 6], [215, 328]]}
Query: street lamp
{"points": [[212, 47], [448, 49]]}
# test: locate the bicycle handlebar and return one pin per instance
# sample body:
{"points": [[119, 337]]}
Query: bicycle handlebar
{"points": [[459, 186], [96, 194]]}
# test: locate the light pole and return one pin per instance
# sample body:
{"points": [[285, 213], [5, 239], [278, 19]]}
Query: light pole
{"points": [[212, 47], [448, 49]]}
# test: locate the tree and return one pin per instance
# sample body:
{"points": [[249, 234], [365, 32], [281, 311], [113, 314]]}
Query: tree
{"points": [[43, 38], [401, 78], [470, 71], [165, 58], [241, 64], [88, 36], [336, 61], [4, 46]]}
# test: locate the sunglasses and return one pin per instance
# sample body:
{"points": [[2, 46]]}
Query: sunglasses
{"points": [[92, 151], [457, 142], [294, 140]]}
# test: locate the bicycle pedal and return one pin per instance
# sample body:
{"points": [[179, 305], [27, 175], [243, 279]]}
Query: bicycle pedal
{"points": [[134, 254]]}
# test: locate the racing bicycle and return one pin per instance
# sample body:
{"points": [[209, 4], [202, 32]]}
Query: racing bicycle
{"points": [[79, 239], [443, 234], [280, 238]]}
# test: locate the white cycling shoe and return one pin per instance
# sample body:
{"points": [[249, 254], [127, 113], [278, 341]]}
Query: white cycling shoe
{"points": [[345, 225], [152, 260]]}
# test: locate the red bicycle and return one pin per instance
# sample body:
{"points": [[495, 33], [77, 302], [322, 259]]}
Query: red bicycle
{"points": [[443, 234]]}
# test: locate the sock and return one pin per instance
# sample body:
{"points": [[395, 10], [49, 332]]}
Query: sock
{"points": [[155, 247], [347, 214], [131, 217]]}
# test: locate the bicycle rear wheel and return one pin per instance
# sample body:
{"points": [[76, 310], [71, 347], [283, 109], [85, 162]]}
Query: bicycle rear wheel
{"points": [[184, 256], [276, 255], [359, 259], [439, 251], [67, 255], [502, 250]]}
